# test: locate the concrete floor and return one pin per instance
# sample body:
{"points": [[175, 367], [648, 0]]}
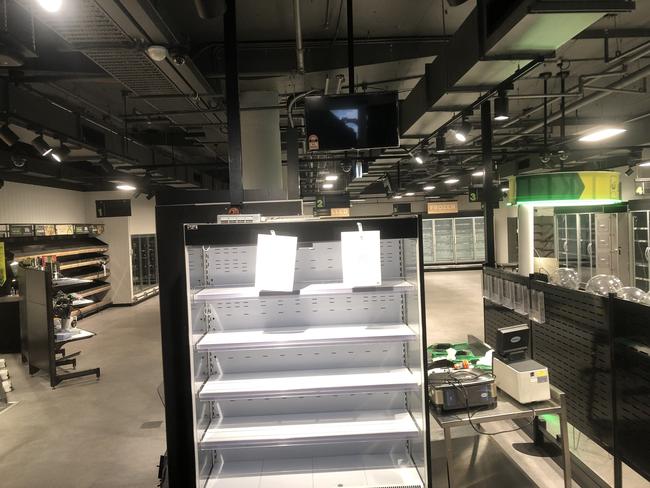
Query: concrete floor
{"points": [[110, 433], [88, 433]]}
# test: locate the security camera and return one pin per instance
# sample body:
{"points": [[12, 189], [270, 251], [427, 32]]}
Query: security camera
{"points": [[545, 158], [563, 155], [18, 160], [346, 166], [179, 59]]}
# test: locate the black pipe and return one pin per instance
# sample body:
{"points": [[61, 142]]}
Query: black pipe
{"points": [[490, 192], [350, 47], [232, 105]]}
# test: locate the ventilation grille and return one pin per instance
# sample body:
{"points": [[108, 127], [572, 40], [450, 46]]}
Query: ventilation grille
{"points": [[85, 23]]}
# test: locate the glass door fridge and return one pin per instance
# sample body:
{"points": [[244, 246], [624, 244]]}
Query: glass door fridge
{"points": [[323, 385], [641, 249]]}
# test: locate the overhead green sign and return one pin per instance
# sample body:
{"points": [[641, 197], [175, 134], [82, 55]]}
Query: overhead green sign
{"points": [[565, 189]]}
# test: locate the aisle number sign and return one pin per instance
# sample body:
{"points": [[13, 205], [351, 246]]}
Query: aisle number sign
{"points": [[449, 207]]}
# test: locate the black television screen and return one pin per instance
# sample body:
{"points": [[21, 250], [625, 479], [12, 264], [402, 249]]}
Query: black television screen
{"points": [[363, 121]]}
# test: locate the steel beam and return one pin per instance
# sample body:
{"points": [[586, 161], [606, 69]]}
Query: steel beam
{"points": [[232, 105], [488, 183]]}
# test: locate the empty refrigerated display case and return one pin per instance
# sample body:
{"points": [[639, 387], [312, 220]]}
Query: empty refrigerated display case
{"points": [[144, 265], [451, 241], [320, 386], [641, 249]]}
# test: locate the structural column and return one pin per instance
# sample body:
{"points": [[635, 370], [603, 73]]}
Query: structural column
{"points": [[526, 239]]}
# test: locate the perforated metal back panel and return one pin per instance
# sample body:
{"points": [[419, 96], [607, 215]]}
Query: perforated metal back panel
{"points": [[496, 316], [632, 366], [318, 262], [574, 344]]}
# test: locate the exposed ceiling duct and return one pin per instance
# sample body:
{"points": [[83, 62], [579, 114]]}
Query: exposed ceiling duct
{"points": [[495, 40]]}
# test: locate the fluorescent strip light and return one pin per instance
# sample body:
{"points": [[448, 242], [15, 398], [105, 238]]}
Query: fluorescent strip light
{"points": [[452, 181], [429, 188], [397, 197], [409, 194], [328, 186], [602, 134], [331, 177], [505, 190], [501, 117], [125, 187], [478, 173]]}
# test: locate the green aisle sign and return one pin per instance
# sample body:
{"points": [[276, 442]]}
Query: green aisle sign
{"points": [[565, 189]]}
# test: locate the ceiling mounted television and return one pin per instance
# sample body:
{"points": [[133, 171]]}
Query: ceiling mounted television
{"points": [[358, 121]]}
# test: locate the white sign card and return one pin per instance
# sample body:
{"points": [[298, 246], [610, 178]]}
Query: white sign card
{"points": [[361, 258], [276, 262]]}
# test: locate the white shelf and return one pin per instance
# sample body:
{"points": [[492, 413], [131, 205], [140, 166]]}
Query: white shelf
{"points": [[352, 471], [305, 336], [308, 382], [250, 292], [309, 428]]}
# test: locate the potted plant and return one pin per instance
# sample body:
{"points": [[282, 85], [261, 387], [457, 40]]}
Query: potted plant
{"points": [[63, 309]]}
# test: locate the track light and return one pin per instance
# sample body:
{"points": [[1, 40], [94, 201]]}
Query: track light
{"points": [[418, 157], [8, 136], [41, 146], [629, 171], [61, 153], [501, 109], [106, 165], [51, 6], [463, 131], [441, 143]]}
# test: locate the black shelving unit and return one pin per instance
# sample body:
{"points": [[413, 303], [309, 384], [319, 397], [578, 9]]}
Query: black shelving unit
{"points": [[42, 350]]}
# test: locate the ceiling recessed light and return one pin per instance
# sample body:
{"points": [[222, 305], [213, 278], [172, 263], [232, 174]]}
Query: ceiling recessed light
{"points": [[397, 197], [125, 187], [328, 186], [602, 134], [409, 194], [51, 5], [331, 177], [429, 188], [452, 181], [478, 173]]}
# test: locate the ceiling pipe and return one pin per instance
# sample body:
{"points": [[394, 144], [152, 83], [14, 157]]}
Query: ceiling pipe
{"points": [[583, 102], [300, 52]]}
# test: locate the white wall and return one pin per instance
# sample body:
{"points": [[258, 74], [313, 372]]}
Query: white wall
{"points": [[30, 204]]}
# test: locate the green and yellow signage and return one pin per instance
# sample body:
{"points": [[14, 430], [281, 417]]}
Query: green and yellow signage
{"points": [[579, 188]]}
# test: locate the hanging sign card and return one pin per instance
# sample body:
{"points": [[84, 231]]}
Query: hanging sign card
{"points": [[361, 258], [276, 262]]}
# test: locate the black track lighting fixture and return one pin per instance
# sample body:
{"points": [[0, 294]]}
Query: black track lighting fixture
{"points": [[501, 106], [8, 136], [441, 143], [106, 165], [463, 131], [61, 153], [41, 146]]}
